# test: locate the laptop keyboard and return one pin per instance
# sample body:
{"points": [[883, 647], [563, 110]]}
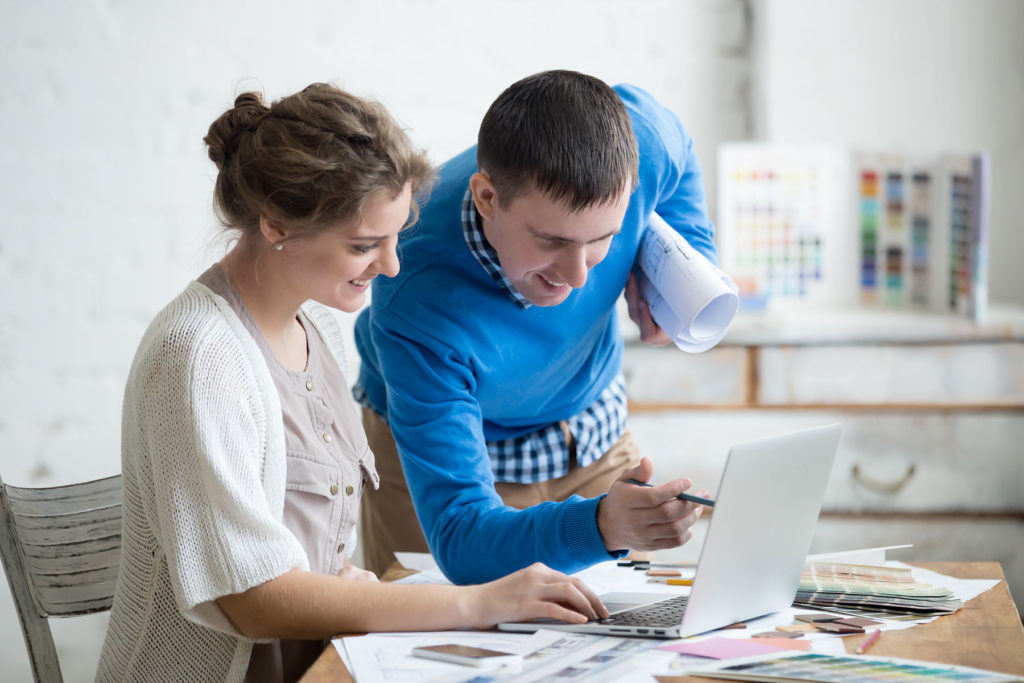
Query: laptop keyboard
{"points": [[665, 613]]}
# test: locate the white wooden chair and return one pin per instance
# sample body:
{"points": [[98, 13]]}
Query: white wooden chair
{"points": [[61, 548]]}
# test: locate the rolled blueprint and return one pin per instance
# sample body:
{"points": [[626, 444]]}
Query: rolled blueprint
{"points": [[689, 297]]}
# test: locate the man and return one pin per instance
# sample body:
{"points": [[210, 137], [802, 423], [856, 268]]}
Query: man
{"points": [[495, 355]]}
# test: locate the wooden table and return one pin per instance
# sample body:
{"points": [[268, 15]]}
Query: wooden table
{"points": [[986, 633]]}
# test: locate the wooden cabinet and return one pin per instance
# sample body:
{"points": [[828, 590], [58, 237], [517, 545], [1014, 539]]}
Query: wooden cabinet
{"points": [[932, 451]]}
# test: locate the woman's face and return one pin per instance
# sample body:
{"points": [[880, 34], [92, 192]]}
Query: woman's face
{"points": [[335, 266]]}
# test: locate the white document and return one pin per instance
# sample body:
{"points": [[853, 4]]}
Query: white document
{"points": [[870, 556], [689, 297], [546, 655], [417, 561], [428, 576]]}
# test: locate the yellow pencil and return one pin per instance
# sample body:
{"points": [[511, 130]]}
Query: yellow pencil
{"points": [[875, 635], [679, 582]]}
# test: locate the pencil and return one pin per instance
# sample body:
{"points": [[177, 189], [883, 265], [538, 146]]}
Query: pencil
{"points": [[875, 635], [682, 496], [679, 582]]}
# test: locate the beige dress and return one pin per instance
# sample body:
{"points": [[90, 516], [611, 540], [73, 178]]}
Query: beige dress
{"points": [[329, 461]]}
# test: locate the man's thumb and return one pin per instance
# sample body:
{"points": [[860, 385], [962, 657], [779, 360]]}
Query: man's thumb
{"points": [[642, 472]]}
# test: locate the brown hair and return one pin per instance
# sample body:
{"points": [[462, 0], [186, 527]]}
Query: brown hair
{"points": [[308, 161], [566, 133]]}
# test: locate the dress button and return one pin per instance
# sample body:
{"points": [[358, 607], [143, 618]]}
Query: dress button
{"points": [[309, 385], [349, 490], [327, 437], [334, 489], [341, 547]]}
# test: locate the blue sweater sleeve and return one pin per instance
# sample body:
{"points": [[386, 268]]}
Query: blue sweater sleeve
{"points": [[438, 428], [670, 175]]}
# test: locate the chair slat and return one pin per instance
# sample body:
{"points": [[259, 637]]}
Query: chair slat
{"points": [[70, 600], [36, 531], [108, 490], [80, 607], [43, 505], [100, 574], [107, 557], [68, 518]]}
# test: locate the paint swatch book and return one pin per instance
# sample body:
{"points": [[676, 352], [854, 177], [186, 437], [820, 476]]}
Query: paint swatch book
{"points": [[868, 590], [923, 229], [809, 666]]}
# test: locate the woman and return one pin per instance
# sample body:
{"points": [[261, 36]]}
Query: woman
{"points": [[243, 457]]}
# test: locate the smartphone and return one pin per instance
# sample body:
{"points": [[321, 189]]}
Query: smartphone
{"points": [[467, 656]]}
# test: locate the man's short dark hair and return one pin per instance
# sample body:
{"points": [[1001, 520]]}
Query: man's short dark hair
{"points": [[563, 132]]}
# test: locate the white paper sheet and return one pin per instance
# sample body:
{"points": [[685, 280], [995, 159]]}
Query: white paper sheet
{"points": [[388, 656], [546, 655], [417, 561], [870, 556], [431, 576]]}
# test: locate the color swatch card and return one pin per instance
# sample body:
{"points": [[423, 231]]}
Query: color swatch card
{"points": [[780, 211], [799, 666]]}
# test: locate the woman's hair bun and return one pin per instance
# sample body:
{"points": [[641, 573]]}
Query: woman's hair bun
{"points": [[223, 137]]}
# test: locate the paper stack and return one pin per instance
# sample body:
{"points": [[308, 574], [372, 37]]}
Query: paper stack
{"points": [[866, 589]]}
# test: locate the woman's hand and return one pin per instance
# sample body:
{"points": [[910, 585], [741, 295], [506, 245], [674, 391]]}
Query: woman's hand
{"points": [[350, 571], [535, 592]]}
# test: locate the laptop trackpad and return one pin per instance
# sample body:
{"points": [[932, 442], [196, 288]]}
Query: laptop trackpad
{"points": [[619, 602]]}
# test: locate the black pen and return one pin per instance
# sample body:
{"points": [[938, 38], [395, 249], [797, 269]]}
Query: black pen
{"points": [[682, 496]]}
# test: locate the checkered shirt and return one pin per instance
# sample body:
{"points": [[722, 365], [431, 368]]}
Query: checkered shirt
{"points": [[484, 252]]}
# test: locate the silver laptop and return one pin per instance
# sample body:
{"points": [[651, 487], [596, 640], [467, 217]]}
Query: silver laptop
{"points": [[756, 544]]}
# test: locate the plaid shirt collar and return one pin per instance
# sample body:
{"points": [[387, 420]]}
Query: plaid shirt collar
{"points": [[484, 253]]}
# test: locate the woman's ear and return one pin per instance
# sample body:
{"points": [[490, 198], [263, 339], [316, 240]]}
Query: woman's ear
{"points": [[271, 231], [484, 195]]}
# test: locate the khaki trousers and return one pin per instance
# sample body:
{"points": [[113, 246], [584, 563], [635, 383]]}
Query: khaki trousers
{"points": [[389, 520]]}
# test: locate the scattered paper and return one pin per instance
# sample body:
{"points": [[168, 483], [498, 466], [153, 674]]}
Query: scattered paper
{"points": [[431, 576], [724, 648], [871, 556], [546, 655], [417, 561]]}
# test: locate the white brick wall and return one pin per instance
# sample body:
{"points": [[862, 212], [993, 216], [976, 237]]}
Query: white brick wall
{"points": [[105, 186]]}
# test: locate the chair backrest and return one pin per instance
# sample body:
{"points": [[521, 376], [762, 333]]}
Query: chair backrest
{"points": [[61, 548]]}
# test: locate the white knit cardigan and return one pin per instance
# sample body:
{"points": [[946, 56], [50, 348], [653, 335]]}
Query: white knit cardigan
{"points": [[203, 458]]}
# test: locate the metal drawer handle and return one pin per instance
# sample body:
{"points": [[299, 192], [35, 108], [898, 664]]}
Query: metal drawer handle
{"points": [[883, 486]]}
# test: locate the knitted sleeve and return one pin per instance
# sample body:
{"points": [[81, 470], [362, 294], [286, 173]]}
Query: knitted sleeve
{"points": [[202, 423]]}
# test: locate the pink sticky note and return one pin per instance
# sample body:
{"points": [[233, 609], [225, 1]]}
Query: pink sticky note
{"points": [[724, 648], [787, 643]]}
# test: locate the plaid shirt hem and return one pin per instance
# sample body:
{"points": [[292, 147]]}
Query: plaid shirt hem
{"points": [[543, 454]]}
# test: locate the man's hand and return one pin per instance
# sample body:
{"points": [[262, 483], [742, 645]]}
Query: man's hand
{"points": [[640, 313], [646, 518]]}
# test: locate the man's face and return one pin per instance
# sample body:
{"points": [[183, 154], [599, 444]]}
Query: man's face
{"points": [[545, 250]]}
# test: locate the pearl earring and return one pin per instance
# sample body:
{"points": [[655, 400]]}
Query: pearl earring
{"points": [[278, 247]]}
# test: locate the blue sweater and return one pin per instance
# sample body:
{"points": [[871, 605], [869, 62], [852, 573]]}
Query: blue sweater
{"points": [[453, 362]]}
